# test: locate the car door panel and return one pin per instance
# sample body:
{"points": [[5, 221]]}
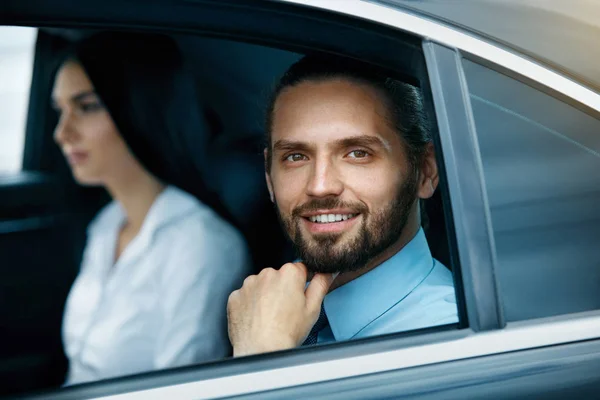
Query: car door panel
{"points": [[40, 243], [557, 372]]}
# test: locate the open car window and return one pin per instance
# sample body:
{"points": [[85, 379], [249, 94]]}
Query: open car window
{"points": [[234, 79]]}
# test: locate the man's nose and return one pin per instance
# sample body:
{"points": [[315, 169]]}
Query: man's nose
{"points": [[324, 180]]}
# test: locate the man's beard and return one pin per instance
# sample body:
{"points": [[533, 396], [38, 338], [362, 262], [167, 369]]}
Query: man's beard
{"points": [[378, 231]]}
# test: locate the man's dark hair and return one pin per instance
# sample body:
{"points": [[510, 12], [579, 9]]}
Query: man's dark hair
{"points": [[404, 102]]}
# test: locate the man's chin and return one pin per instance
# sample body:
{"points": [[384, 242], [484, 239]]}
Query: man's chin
{"points": [[328, 238], [322, 268], [328, 252], [327, 259]]}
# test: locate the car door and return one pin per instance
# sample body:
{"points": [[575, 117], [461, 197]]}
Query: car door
{"points": [[514, 339]]}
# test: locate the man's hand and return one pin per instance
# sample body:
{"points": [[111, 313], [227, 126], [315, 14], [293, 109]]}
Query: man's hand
{"points": [[273, 311]]}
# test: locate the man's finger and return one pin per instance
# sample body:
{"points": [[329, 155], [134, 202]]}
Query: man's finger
{"points": [[295, 273], [317, 289]]}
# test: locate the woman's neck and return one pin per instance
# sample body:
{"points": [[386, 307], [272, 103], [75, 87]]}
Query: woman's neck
{"points": [[136, 194]]}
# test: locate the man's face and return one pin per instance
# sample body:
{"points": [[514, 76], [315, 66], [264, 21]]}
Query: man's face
{"points": [[340, 176]]}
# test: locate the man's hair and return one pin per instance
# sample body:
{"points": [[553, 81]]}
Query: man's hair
{"points": [[404, 102]]}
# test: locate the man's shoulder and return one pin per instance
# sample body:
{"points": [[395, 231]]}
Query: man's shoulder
{"points": [[440, 277], [435, 296], [431, 303]]}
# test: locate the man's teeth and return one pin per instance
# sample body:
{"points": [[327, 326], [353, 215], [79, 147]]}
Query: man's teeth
{"points": [[327, 218]]}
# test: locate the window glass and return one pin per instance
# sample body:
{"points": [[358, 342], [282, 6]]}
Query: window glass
{"points": [[16, 63], [540, 160]]}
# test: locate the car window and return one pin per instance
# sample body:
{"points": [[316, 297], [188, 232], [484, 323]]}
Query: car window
{"points": [[540, 158], [223, 149], [16, 63]]}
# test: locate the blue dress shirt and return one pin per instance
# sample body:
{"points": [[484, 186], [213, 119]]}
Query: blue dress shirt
{"points": [[410, 290]]}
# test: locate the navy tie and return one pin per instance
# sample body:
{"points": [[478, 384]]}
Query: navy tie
{"points": [[321, 323]]}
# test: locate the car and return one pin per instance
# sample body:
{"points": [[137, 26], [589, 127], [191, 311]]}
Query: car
{"points": [[513, 90]]}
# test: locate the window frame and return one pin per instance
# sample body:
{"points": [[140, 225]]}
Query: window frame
{"points": [[378, 354], [468, 194]]}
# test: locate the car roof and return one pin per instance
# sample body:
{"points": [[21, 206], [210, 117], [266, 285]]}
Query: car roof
{"points": [[561, 34]]}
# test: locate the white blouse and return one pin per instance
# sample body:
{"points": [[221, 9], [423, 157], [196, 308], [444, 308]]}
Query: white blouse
{"points": [[164, 303]]}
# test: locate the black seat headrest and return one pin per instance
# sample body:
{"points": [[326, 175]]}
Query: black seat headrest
{"points": [[236, 174]]}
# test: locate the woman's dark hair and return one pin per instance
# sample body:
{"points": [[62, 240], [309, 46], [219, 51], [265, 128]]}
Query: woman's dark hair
{"points": [[151, 96], [404, 101]]}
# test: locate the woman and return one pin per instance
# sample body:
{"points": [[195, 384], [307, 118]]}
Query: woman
{"points": [[158, 264]]}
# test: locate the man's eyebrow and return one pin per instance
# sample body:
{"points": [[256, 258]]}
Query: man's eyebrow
{"points": [[364, 140], [361, 140], [285, 145]]}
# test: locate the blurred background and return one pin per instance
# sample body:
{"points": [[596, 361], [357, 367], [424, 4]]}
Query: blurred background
{"points": [[16, 60]]}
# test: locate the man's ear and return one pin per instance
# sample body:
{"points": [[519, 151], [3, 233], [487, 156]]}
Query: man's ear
{"points": [[268, 176], [428, 177]]}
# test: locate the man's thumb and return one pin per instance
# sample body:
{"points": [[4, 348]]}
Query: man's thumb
{"points": [[317, 289]]}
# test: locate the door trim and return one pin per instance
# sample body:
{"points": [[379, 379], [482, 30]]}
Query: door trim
{"points": [[517, 336]]}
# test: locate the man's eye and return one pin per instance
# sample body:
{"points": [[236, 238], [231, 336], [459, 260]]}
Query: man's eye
{"points": [[295, 157], [358, 154]]}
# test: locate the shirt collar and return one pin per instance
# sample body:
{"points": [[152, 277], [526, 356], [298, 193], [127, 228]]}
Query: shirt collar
{"points": [[353, 306], [171, 204]]}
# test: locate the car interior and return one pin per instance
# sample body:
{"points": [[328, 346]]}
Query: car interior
{"points": [[49, 213]]}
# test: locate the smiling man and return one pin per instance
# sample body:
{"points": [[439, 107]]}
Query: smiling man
{"points": [[349, 156]]}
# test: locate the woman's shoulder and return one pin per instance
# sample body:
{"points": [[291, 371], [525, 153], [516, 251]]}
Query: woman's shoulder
{"points": [[199, 237], [197, 221]]}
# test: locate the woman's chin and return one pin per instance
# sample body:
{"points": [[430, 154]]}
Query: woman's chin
{"points": [[86, 179]]}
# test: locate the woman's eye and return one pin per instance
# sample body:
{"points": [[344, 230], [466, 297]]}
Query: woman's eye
{"points": [[90, 107], [358, 154], [295, 157]]}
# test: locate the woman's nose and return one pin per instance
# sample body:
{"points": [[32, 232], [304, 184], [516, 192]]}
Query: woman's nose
{"points": [[64, 129]]}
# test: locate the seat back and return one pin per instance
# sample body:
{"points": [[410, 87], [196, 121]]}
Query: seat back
{"points": [[237, 176]]}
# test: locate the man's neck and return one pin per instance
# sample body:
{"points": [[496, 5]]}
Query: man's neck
{"points": [[408, 234]]}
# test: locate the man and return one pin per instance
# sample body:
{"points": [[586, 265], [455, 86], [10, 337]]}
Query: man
{"points": [[349, 156]]}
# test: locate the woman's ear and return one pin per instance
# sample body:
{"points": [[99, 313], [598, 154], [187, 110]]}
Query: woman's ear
{"points": [[428, 173]]}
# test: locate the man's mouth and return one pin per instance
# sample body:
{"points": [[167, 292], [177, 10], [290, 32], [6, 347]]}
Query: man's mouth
{"points": [[330, 221], [330, 218]]}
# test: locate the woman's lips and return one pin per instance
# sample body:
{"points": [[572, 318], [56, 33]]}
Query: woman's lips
{"points": [[77, 157]]}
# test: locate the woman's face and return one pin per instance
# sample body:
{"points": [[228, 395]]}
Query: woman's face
{"points": [[86, 133]]}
